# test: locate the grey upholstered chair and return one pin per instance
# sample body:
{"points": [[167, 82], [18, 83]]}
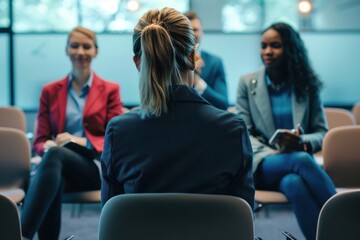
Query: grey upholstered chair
{"points": [[340, 217], [175, 216], [9, 219]]}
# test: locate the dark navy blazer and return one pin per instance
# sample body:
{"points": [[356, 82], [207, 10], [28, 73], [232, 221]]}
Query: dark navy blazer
{"points": [[194, 148], [214, 75]]}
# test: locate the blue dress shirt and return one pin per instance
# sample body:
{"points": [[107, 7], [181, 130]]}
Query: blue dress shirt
{"points": [[281, 103]]}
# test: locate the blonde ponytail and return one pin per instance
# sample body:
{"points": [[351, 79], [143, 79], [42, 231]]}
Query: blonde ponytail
{"points": [[162, 40]]}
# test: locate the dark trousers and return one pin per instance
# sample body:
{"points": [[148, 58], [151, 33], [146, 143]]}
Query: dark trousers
{"points": [[61, 170]]}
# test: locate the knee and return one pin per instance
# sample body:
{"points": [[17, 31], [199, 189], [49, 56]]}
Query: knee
{"points": [[51, 157], [293, 186], [303, 160]]}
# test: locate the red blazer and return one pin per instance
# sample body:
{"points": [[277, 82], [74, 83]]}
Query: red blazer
{"points": [[102, 103]]}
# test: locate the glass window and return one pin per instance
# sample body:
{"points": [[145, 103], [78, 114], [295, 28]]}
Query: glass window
{"points": [[4, 70], [242, 15], [255, 15], [281, 11], [104, 15], [4, 13], [42, 16]]}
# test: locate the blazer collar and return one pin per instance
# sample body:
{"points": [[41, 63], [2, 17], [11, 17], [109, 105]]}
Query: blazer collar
{"points": [[259, 91], [183, 93], [97, 87], [61, 93]]}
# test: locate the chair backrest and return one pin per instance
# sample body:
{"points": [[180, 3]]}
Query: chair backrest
{"points": [[356, 112], [340, 217], [13, 118], [9, 219], [337, 117], [14, 159], [341, 153], [176, 216]]}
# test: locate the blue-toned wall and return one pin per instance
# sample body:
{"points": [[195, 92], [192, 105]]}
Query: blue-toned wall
{"points": [[41, 58]]}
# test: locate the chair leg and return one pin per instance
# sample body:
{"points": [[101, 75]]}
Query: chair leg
{"points": [[73, 210], [81, 208], [76, 210], [258, 207], [261, 207]]}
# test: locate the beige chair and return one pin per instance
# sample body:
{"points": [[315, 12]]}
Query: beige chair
{"points": [[336, 117], [9, 219], [14, 163], [356, 112], [340, 217], [341, 151], [13, 118], [263, 198], [125, 110], [175, 216]]}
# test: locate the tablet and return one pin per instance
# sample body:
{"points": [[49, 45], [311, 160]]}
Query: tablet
{"points": [[274, 140]]}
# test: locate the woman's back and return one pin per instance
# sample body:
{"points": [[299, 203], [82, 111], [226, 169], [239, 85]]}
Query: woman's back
{"points": [[194, 148]]}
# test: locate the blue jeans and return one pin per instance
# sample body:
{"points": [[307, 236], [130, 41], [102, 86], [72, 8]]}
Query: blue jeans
{"points": [[304, 183]]}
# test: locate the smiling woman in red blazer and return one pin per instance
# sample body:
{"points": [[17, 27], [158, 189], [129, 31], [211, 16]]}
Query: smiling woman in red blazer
{"points": [[76, 108]]}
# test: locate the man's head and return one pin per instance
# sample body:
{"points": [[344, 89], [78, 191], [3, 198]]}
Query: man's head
{"points": [[196, 25]]}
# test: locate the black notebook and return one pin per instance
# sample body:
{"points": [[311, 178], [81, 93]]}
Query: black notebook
{"points": [[81, 150]]}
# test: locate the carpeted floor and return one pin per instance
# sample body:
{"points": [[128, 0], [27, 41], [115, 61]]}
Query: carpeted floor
{"points": [[269, 222]]}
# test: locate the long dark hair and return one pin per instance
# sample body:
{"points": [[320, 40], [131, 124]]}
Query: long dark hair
{"points": [[301, 75]]}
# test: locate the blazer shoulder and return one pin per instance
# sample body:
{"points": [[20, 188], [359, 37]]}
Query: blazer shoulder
{"points": [[210, 57], [239, 120], [223, 116], [249, 76], [55, 84], [107, 83], [126, 123]]}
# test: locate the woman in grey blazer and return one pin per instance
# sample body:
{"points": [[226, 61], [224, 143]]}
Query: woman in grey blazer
{"points": [[284, 94]]}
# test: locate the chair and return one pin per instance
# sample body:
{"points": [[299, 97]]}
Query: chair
{"points": [[163, 216], [356, 112], [337, 117], [340, 217], [9, 219], [14, 163], [84, 197], [264, 197], [13, 118], [341, 151]]}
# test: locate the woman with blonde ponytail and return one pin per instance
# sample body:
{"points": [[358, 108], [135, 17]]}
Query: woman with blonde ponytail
{"points": [[176, 141]]}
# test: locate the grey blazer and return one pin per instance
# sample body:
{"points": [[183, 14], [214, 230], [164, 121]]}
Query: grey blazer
{"points": [[253, 104]]}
